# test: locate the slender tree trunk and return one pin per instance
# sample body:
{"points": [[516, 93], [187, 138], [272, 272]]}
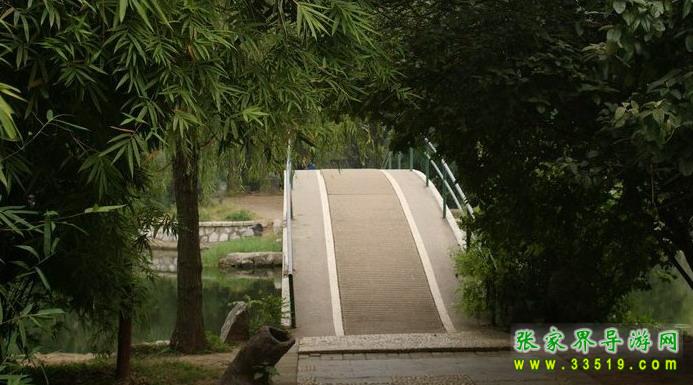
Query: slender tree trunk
{"points": [[124, 348], [188, 334], [680, 236]]}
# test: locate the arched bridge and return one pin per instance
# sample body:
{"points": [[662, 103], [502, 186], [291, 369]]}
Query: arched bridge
{"points": [[370, 251]]}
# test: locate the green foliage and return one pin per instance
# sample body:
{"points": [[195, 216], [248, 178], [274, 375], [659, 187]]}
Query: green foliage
{"points": [[150, 371], [23, 306], [217, 209], [20, 313], [9, 129], [211, 255], [102, 84], [668, 301], [239, 215], [158, 349], [349, 143], [571, 130], [475, 265], [265, 311], [72, 217], [216, 345]]}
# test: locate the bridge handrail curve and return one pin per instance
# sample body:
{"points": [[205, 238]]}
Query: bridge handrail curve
{"points": [[288, 305], [454, 181]]}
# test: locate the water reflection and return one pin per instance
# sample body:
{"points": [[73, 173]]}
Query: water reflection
{"points": [[220, 290]]}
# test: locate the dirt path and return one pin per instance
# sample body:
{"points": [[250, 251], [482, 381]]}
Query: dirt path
{"points": [[211, 360], [264, 207], [59, 358], [267, 207]]}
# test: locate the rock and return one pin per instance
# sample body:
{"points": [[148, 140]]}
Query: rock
{"points": [[251, 260], [257, 230], [237, 324]]}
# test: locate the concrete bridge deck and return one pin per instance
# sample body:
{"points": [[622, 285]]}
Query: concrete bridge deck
{"points": [[372, 255]]}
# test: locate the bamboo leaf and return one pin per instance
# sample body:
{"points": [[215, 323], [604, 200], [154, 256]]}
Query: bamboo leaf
{"points": [[102, 209], [122, 9]]}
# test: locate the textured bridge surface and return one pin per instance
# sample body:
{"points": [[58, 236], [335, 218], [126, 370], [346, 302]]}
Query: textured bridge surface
{"points": [[382, 283], [372, 255]]}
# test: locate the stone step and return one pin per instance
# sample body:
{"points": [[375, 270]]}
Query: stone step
{"points": [[465, 341]]}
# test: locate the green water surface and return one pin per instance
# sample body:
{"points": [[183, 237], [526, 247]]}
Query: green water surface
{"points": [[220, 291]]}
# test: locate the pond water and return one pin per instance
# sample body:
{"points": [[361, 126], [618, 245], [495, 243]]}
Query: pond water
{"points": [[220, 290]]}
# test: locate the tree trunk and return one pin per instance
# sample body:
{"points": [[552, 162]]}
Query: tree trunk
{"points": [[124, 348], [680, 236], [188, 334], [260, 353]]}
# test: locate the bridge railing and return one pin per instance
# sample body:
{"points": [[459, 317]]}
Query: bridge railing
{"points": [[288, 306], [438, 172]]}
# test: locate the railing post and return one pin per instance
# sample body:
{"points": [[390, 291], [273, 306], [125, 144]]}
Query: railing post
{"points": [[292, 306], [399, 160], [428, 170], [411, 158], [291, 188], [445, 202]]}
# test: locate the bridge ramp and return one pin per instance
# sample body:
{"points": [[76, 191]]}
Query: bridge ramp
{"points": [[391, 269], [382, 283], [439, 239], [312, 298]]}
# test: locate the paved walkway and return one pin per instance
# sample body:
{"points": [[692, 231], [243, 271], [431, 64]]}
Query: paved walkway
{"points": [[382, 283], [312, 298], [425, 368], [438, 238], [315, 363]]}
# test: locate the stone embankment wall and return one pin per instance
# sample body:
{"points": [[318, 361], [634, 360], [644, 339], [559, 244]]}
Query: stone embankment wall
{"points": [[165, 261], [165, 257], [211, 232]]}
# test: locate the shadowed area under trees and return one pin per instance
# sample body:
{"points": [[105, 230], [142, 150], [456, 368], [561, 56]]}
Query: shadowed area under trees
{"points": [[89, 90], [570, 126]]}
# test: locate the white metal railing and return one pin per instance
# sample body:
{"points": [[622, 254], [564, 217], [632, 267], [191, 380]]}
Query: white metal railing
{"points": [[288, 308], [450, 187], [448, 190], [452, 178]]}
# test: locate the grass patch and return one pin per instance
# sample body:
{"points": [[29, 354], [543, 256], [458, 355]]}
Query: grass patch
{"points": [[211, 256], [240, 215], [224, 210], [215, 345], [144, 372]]}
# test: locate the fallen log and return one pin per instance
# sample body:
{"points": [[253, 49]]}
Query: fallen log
{"points": [[254, 362]]}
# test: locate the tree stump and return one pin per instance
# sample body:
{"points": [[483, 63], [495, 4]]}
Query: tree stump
{"points": [[254, 361]]}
